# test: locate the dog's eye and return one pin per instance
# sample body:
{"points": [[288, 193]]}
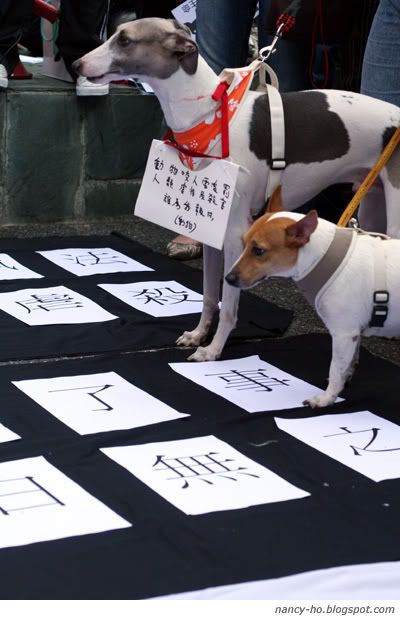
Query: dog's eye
{"points": [[257, 251], [123, 41]]}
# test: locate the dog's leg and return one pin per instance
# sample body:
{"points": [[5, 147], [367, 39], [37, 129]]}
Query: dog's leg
{"points": [[344, 353], [212, 260], [372, 213], [233, 247]]}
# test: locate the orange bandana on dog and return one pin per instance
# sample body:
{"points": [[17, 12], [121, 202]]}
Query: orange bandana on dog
{"points": [[204, 137]]}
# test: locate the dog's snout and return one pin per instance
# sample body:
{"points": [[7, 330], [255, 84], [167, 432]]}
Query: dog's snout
{"points": [[76, 66], [232, 278]]}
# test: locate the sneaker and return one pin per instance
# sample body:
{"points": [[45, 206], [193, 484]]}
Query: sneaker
{"points": [[184, 248], [3, 77], [84, 88]]}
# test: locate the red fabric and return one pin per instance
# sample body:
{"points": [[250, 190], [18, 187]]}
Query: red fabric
{"points": [[197, 141], [45, 10], [20, 73]]}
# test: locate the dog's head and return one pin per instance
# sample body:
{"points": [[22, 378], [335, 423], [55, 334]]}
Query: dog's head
{"points": [[150, 47], [271, 247]]}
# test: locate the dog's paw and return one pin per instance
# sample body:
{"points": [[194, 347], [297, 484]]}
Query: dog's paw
{"points": [[190, 339], [322, 400], [204, 354]]}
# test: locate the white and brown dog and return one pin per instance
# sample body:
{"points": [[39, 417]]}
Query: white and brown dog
{"points": [[331, 137], [336, 269]]}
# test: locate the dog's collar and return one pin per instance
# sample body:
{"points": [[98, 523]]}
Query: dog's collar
{"points": [[206, 135], [314, 284]]}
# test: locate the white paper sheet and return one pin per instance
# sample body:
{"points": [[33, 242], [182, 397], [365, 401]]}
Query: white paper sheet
{"points": [[203, 475], [364, 582], [89, 261], [52, 306], [191, 202], [362, 440], [157, 298], [38, 503], [97, 403], [10, 269], [7, 435], [249, 383], [186, 13]]}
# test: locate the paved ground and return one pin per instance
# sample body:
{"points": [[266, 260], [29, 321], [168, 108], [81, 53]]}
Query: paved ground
{"points": [[276, 290]]}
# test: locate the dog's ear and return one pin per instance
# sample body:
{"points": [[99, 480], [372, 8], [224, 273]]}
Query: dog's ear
{"points": [[185, 48], [299, 233], [275, 202]]}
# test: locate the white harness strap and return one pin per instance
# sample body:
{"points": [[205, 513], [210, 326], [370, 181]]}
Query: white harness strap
{"points": [[324, 273], [277, 119]]}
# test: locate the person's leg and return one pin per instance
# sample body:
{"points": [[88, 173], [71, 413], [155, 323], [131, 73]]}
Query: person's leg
{"points": [[381, 66], [291, 59], [223, 30], [155, 8], [83, 27], [12, 17]]}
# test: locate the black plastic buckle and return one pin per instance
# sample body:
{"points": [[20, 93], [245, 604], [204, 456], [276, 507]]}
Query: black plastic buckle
{"points": [[380, 310]]}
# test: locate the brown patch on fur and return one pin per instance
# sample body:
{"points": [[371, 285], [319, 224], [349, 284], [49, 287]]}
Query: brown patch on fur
{"points": [[277, 254]]}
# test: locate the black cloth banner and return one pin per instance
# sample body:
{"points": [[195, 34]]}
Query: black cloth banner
{"points": [[347, 519], [133, 329]]}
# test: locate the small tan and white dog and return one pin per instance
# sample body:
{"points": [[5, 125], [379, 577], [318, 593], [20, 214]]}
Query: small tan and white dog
{"points": [[295, 246]]}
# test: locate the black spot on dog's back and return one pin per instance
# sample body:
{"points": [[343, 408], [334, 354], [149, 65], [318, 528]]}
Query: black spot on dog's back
{"points": [[393, 165], [313, 132], [387, 136]]}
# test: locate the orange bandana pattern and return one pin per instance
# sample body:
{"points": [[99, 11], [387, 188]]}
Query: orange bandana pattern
{"points": [[203, 137]]}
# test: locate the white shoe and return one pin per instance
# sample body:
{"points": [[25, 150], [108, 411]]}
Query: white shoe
{"points": [[3, 77], [84, 88]]}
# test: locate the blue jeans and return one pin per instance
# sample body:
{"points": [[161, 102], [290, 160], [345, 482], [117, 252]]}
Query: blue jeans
{"points": [[223, 29], [381, 66]]}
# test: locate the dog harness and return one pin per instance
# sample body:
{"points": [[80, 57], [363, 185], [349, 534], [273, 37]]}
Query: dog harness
{"points": [[202, 139], [325, 272]]}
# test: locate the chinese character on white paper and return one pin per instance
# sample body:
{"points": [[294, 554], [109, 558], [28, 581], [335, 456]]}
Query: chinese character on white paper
{"points": [[157, 298], [52, 306], [97, 403], [203, 475], [363, 441], [39, 503], [192, 202], [89, 261], [11, 269], [249, 383]]}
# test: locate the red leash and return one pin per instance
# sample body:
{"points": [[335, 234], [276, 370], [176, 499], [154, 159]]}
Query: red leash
{"points": [[318, 25]]}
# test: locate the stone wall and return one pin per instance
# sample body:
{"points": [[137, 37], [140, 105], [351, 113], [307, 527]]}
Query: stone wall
{"points": [[64, 158]]}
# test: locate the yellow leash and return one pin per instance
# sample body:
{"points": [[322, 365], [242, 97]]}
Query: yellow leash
{"points": [[370, 179]]}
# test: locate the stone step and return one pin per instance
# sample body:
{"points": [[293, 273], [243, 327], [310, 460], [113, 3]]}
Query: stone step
{"points": [[64, 158]]}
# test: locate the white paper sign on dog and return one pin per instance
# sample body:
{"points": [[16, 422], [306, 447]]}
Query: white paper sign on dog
{"points": [[195, 203]]}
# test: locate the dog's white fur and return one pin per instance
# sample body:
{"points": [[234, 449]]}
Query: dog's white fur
{"points": [[159, 52]]}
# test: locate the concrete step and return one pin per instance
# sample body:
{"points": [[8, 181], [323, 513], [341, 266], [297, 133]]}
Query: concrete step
{"points": [[64, 158]]}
